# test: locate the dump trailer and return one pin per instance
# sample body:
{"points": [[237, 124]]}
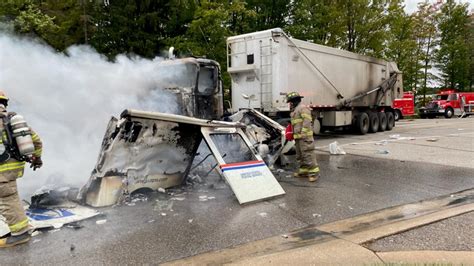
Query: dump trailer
{"points": [[343, 89]]}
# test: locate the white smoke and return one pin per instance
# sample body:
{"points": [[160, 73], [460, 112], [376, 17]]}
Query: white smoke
{"points": [[69, 99]]}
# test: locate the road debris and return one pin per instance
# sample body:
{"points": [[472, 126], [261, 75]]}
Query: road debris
{"points": [[335, 149], [101, 221], [263, 214], [178, 198], [382, 143], [53, 217], [432, 139], [383, 152], [395, 136], [317, 215]]}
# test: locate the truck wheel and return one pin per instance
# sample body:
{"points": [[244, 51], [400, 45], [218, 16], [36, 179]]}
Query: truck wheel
{"points": [[362, 123], [422, 116], [316, 127], [448, 113], [390, 120], [398, 115], [374, 122], [382, 121]]}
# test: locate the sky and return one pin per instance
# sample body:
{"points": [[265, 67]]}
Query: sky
{"points": [[410, 5]]}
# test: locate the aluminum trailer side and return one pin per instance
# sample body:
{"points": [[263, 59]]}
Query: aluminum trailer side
{"points": [[343, 88]]}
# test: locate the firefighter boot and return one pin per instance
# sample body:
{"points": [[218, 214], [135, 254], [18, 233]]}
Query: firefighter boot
{"points": [[298, 175], [313, 178], [11, 241]]}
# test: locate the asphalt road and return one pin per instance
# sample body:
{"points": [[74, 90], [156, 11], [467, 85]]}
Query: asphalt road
{"points": [[428, 158]]}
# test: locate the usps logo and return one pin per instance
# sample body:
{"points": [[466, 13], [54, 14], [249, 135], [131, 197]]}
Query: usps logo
{"points": [[246, 169], [241, 166], [47, 214]]}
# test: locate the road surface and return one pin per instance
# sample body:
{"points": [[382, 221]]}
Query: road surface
{"points": [[417, 160]]}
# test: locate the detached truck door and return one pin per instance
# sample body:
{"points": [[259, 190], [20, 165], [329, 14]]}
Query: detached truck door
{"points": [[243, 169]]}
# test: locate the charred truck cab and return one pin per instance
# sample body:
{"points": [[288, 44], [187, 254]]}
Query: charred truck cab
{"points": [[197, 84]]}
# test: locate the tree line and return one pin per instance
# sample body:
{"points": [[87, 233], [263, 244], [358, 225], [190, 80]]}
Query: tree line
{"points": [[435, 43]]}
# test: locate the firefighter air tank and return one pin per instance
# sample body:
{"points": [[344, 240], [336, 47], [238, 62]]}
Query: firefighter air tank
{"points": [[22, 135]]}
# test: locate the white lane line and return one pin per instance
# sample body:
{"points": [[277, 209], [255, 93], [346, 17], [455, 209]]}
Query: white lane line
{"points": [[398, 139]]}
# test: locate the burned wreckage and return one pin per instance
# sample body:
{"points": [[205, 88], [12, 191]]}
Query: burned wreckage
{"points": [[152, 150]]}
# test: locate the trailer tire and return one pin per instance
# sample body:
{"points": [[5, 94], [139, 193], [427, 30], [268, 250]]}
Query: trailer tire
{"points": [[390, 121], [448, 113], [398, 115], [362, 123], [382, 121], [374, 122], [316, 126]]}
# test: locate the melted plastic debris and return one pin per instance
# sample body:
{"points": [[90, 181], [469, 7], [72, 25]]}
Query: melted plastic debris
{"points": [[101, 221], [335, 149]]}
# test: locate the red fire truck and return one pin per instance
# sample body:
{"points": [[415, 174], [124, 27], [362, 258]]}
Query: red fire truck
{"points": [[449, 102], [404, 106]]}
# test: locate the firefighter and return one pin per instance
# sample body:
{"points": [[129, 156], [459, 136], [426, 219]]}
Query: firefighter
{"points": [[11, 168], [301, 122]]}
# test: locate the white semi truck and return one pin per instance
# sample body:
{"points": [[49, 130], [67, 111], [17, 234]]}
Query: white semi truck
{"points": [[344, 89]]}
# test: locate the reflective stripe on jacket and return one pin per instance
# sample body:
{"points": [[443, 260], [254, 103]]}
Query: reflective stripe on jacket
{"points": [[301, 120], [12, 168]]}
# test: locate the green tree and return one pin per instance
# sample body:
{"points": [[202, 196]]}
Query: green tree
{"points": [[470, 41], [140, 27], [28, 19], [60, 23], [269, 13], [401, 44], [453, 56], [318, 21], [366, 26], [426, 38]]}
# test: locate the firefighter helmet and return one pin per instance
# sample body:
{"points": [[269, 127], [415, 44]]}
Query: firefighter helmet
{"points": [[292, 95], [3, 96]]}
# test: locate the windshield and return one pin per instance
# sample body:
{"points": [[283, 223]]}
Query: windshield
{"points": [[232, 147], [176, 75], [207, 80], [452, 97], [441, 97]]}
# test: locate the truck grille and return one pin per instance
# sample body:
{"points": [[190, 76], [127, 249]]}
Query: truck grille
{"points": [[432, 106]]}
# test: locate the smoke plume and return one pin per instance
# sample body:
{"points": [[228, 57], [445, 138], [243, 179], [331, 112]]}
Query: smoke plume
{"points": [[68, 100]]}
